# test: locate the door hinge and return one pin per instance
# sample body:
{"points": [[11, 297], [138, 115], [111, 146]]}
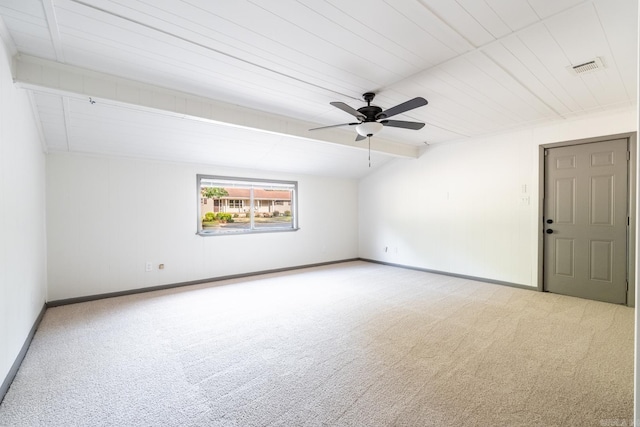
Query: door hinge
{"points": [[628, 155]]}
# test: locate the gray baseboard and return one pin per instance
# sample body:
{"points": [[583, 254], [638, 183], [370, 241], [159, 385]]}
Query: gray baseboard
{"points": [[4, 388], [95, 297], [67, 301], [461, 276]]}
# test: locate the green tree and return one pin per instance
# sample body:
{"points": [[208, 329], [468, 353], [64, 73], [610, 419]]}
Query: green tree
{"points": [[214, 192]]}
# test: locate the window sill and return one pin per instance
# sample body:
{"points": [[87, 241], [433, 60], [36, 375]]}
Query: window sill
{"points": [[236, 232]]}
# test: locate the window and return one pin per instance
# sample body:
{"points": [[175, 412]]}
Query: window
{"points": [[242, 205], [236, 204]]}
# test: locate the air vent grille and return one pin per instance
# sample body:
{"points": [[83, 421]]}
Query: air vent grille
{"points": [[587, 67]]}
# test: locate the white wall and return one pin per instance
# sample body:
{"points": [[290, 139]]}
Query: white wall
{"points": [[107, 216], [22, 218], [469, 207]]}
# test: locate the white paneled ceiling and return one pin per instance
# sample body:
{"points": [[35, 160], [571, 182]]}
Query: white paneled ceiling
{"points": [[262, 73]]}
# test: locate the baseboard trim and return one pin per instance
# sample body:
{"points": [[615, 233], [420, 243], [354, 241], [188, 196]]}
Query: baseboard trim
{"points": [[461, 276], [77, 300], [4, 388]]}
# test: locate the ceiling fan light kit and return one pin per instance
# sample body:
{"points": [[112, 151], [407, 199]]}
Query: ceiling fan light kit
{"points": [[371, 118], [369, 128]]}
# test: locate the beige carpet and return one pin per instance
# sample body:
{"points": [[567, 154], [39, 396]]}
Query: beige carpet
{"points": [[354, 344]]}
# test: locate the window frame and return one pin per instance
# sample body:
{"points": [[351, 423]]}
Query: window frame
{"points": [[251, 184]]}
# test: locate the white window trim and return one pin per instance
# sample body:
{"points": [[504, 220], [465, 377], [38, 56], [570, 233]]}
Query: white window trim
{"points": [[226, 181]]}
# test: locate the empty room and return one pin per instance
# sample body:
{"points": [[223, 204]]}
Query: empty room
{"points": [[318, 213]]}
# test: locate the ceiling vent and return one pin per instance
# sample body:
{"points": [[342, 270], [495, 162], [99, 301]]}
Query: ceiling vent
{"points": [[587, 67]]}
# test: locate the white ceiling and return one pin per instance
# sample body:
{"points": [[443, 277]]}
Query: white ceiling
{"points": [[265, 72]]}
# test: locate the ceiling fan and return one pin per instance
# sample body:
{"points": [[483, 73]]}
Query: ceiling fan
{"points": [[371, 119]]}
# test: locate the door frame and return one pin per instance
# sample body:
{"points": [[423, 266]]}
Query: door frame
{"points": [[631, 138]]}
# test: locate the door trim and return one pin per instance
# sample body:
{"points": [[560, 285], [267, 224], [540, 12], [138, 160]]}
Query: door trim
{"points": [[631, 138]]}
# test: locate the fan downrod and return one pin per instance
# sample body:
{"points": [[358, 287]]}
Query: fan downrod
{"points": [[368, 97]]}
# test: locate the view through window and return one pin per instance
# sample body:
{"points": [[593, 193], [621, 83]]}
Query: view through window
{"points": [[240, 205]]}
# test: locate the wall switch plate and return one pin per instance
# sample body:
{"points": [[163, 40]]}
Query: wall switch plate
{"points": [[148, 266]]}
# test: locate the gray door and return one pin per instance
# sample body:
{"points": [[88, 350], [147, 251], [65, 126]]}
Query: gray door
{"points": [[585, 220]]}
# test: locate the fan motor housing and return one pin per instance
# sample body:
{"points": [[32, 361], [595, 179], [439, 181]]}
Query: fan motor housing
{"points": [[370, 112]]}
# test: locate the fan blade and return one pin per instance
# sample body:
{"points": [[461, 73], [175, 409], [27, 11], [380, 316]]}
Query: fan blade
{"points": [[401, 108], [335, 126], [402, 124], [360, 137], [344, 107]]}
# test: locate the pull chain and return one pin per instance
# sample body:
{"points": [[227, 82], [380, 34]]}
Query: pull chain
{"points": [[369, 151]]}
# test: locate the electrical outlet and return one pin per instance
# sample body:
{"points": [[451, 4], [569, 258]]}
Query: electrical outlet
{"points": [[148, 266]]}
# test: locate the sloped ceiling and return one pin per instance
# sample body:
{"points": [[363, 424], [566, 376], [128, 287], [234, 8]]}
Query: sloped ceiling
{"points": [[239, 83]]}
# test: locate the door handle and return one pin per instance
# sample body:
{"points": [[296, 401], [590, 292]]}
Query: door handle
{"points": [[549, 221], [549, 231]]}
